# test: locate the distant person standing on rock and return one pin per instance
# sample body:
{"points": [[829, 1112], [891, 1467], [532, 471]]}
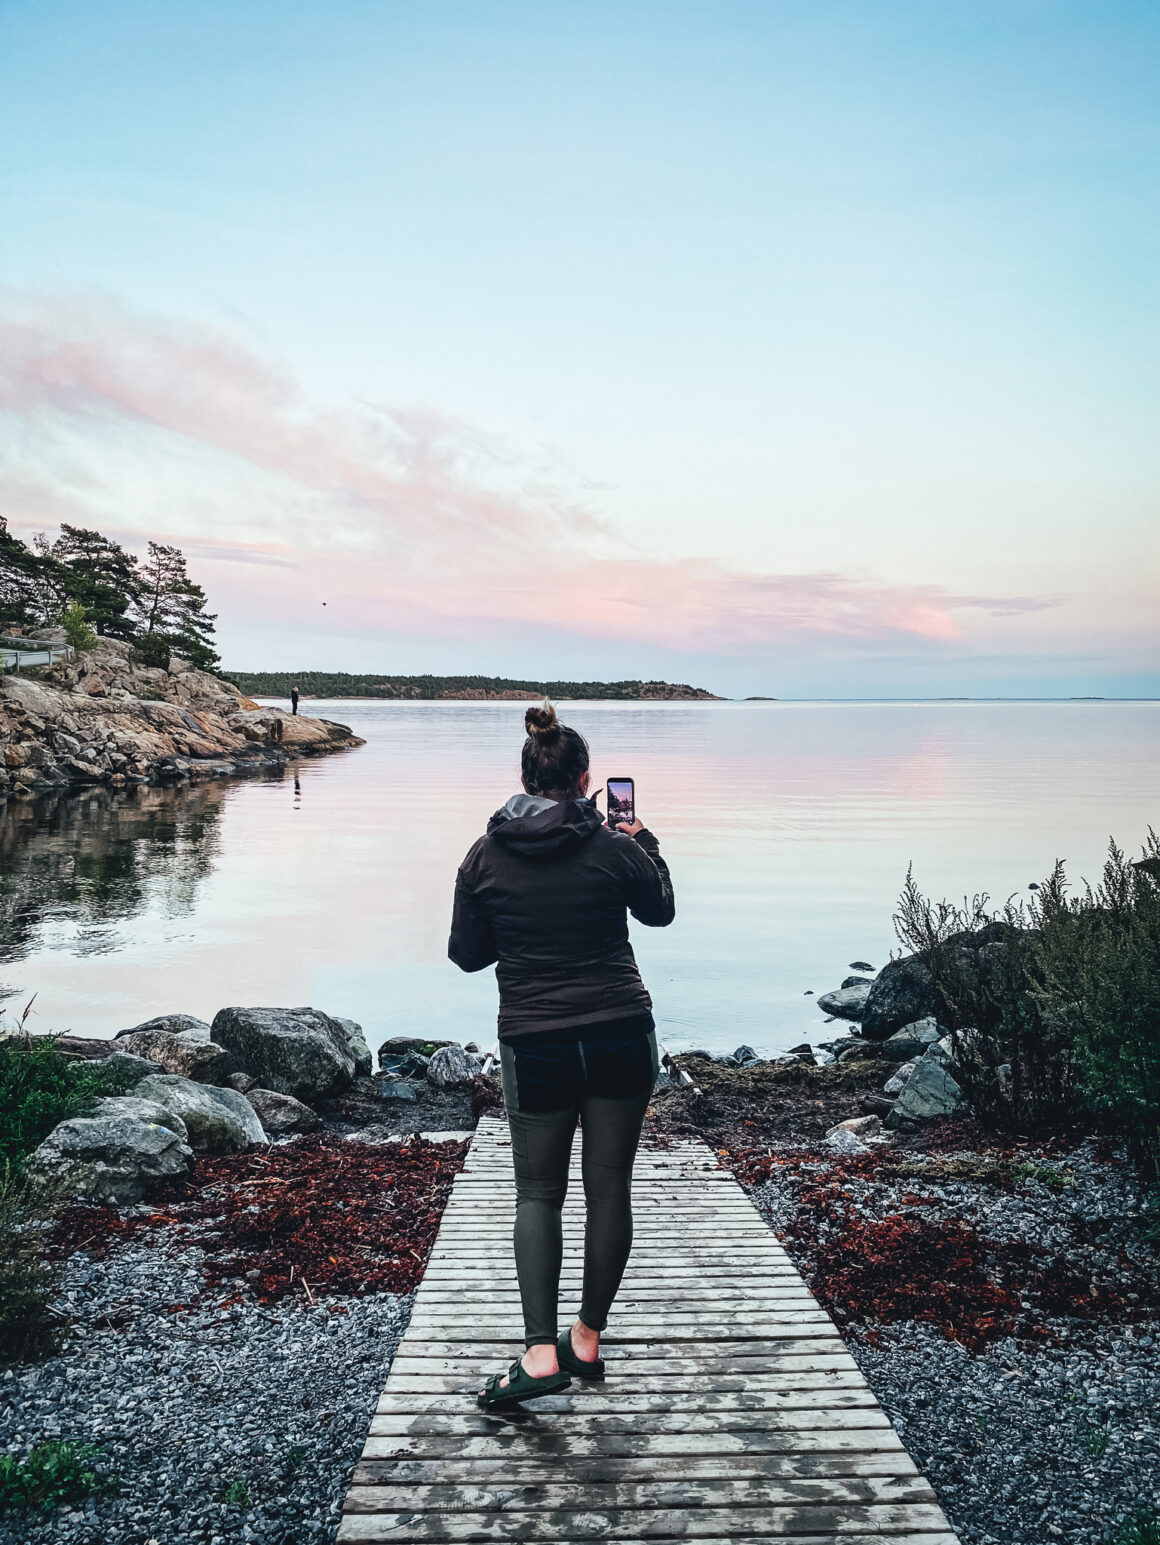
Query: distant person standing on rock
{"points": [[293, 700], [545, 896]]}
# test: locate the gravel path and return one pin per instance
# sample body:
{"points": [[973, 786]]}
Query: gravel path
{"points": [[220, 1425], [1025, 1443]]}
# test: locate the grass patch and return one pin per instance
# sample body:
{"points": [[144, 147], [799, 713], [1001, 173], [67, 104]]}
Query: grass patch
{"points": [[1095, 1440], [40, 1087], [1143, 1528], [54, 1472], [1044, 1174], [236, 1494]]}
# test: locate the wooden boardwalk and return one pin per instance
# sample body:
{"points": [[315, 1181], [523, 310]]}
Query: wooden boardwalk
{"points": [[788, 1445]]}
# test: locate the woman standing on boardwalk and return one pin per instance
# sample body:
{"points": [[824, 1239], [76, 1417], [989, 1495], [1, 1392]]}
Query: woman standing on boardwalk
{"points": [[545, 896]]}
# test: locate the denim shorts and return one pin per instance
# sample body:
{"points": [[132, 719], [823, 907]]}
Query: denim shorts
{"points": [[550, 1070]]}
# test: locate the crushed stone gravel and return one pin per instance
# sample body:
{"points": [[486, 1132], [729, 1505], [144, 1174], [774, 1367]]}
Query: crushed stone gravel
{"points": [[236, 1424]]}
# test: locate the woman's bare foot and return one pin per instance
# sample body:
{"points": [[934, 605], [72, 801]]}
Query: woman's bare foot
{"points": [[585, 1342], [539, 1361]]}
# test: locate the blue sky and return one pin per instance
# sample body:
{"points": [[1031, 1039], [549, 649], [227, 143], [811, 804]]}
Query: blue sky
{"points": [[792, 348]]}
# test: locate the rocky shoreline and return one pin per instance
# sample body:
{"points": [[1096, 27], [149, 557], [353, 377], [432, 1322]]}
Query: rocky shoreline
{"points": [[997, 1291], [105, 718]]}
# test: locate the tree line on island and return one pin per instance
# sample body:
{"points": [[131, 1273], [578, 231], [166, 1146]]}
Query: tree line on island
{"points": [[92, 587], [342, 684]]}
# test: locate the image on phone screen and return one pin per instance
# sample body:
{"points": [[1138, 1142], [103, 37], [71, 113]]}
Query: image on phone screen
{"points": [[621, 801]]}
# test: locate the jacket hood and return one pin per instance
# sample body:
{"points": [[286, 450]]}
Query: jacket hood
{"points": [[545, 828]]}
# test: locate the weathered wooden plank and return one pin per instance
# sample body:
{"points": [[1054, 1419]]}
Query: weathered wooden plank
{"points": [[654, 1369], [562, 1446], [663, 1389], [640, 1327], [578, 1424], [358, 1523], [776, 1343], [645, 1523], [620, 1402], [440, 1290], [609, 1496], [508, 1470]]}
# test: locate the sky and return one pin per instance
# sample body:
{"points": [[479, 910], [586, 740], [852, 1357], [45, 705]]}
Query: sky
{"points": [[797, 349]]}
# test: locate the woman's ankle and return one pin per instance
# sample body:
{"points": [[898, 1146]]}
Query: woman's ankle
{"points": [[540, 1360], [585, 1342]]}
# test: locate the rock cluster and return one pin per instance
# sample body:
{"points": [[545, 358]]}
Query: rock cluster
{"points": [[253, 1075], [105, 718]]}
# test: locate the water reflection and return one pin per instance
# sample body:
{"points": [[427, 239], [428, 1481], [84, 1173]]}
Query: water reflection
{"points": [[78, 864]]}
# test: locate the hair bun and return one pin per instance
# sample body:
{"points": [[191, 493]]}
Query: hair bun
{"points": [[541, 721]]}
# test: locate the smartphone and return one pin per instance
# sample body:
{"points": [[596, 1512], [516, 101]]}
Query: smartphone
{"points": [[621, 801]]}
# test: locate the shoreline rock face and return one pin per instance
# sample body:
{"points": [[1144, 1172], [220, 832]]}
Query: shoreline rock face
{"points": [[104, 718]]}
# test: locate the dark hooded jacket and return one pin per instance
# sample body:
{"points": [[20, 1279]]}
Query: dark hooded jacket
{"points": [[545, 896]]}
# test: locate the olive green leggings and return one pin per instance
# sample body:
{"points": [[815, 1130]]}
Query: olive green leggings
{"points": [[541, 1150]]}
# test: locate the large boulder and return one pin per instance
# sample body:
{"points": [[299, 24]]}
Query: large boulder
{"points": [[930, 1094], [217, 1120], [187, 1054], [171, 1024], [363, 1062], [281, 1114], [903, 992], [300, 1051], [845, 1002], [113, 1154], [452, 1068]]}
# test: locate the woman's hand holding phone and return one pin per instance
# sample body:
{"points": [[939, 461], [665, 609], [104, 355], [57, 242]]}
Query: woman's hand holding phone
{"points": [[630, 830]]}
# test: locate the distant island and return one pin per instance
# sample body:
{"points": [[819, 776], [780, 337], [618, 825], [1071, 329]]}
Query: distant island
{"points": [[479, 688]]}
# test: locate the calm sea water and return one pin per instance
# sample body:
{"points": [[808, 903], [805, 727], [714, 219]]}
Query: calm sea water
{"points": [[788, 828]]}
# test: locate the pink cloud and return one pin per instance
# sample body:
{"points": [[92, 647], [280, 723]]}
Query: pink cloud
{"points": [[389, 513]]}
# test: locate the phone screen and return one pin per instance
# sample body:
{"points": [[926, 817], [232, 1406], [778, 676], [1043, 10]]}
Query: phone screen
{"points": [[621, 801]]}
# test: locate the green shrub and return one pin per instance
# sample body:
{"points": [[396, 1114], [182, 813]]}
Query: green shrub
{"points": [[76, 627], [986, 967], [28, 1327], [1099, 958], [1065, 992], [40, 1088], [54, 1472]]}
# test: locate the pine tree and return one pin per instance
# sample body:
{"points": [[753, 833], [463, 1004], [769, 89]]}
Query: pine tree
{"points": [[100, 574], [20, 587], [169, 608]]}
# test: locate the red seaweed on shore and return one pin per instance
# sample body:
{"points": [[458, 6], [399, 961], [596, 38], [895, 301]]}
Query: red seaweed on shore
{"points": [[871, 1271], [322, 1215]]}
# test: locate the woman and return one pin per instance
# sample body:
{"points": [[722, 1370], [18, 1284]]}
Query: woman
{"points": [[545, 896]]}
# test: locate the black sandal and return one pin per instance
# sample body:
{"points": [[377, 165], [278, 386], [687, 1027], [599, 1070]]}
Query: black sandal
{"points": [[567, 1358], [520, 1386]]}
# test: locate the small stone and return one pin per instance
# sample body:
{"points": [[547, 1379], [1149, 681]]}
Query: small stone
{"points": [[860, 1126], [452, 1068], [843, 1141]]}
